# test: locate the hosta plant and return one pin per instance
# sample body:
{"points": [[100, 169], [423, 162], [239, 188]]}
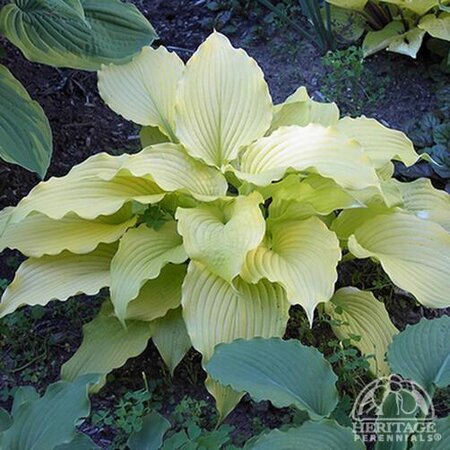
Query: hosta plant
{"points": [[401, 25], [80, 34], [235, 210]]}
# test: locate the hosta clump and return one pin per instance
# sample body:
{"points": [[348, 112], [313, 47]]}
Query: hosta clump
{"points": [[234, 211]]}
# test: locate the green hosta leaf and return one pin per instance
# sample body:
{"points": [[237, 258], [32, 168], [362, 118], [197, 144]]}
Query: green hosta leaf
{"points": [[438, 27], [426, 202], [284, 372], [80, 442], [443, 430], [159, 295], [299, 109], [220, 235], [422, 353], [324, 435], [106, 345], [23, 394], [170, 338], [361, 314], [142, 254], [413, 252], [40, 280], [300, 255], [223, 102], [38, 235], [174, 170], [50, 420], [408, 43], [310, 149], [60, 33], [150, 437], [5, 421], [379, 40], [215, 311], [144, 90], [25, 134], [379, 142]]}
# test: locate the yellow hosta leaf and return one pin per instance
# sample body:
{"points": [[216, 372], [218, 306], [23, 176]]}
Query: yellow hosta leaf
{"points": [[99, 186], [174, 170], [300, 255], [144, 90], [215, 311], [40, 280], [349, 4], [220, 235], [348, 221], [38, 235], [379, 142], [312, 196], [310, 149], [438, 27], [408, 43], [413, 252], [420, 7], [151, 136], [426, 202], [158, 296], [223, 102], [361, 314], [106, 345], [142, 253], [379, 40], [171, 339], [299, 109]]}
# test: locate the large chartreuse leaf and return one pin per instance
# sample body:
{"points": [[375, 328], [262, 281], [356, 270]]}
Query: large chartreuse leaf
{"points": [[420, 7], [106, 345], [46, 422], [359, 313], [142, 253], [40, 280], [159, 295], [82, 34], [349, 4], [220, 235], [150, 437], [170, 338], [313, 148], [284, 372], [379, 142], [300, 255], [413, 252], [223, 102], [144, 90], [438, 27], [38, 235], [314, 195], [215, 311], [426, 202], [174, 170], [443, 443], [408, 43], [96, 187], [379, 40], [323, 435], [299, 109], [422, 353], [25, 134]]}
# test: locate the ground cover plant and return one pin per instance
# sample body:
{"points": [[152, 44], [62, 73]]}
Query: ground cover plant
{"points": [[283, 225]]}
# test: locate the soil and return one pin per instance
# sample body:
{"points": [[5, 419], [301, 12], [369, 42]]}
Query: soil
{"points": [[82, 126]]}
